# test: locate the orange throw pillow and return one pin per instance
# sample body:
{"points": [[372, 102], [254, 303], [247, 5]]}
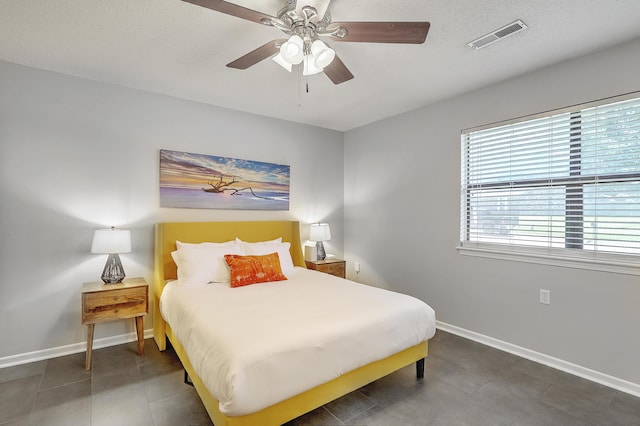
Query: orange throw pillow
{"points": [[247, 270]]}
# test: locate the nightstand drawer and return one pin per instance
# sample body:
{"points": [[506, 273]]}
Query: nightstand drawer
{"points": [[114, 304], [333, 269], [332, 266]]}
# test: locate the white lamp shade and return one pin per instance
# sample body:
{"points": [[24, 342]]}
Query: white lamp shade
{"points": [[278, 59], [320, 232], [309, 67], [292, 50], [111, 241], [322, 54]]}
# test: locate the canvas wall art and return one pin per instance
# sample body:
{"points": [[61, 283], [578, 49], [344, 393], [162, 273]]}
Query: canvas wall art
{"points": [[201, 181]]}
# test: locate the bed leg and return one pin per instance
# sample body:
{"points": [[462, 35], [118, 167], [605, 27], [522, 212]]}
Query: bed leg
{"points": [[420, 369], [187, 379]]}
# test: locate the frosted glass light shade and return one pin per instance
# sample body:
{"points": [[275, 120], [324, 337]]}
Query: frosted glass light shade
{"points": [[278, 59], [292, 50], [320, 232], [110, 241], [322, 54], [309, 67]]}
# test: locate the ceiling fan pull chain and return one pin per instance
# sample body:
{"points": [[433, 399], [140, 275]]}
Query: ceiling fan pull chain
{"points": [[299, 72]]}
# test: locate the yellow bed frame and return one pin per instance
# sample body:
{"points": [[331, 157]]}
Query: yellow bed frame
{"points": [[166, 235]]}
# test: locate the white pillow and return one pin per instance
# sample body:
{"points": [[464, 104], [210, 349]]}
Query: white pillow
{"points": [[286, 263], [277, 240], [180, 244], [203, 264]]}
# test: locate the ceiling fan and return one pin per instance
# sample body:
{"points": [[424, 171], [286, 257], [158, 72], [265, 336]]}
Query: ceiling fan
{"points": [[305, 21]]}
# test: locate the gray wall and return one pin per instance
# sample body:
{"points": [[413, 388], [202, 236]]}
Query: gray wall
{"points": [[76, 155], [402, 189]]}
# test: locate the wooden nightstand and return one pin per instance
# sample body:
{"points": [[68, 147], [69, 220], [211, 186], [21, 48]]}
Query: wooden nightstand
{"points": [[329, 266], [107, 302]]}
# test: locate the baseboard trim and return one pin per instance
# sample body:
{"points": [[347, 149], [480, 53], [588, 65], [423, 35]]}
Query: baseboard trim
{"points": [[28, 357], [559, 364]]}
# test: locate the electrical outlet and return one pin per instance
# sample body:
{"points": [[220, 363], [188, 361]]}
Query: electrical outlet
{"points": [[545, 297], [357, 267]]}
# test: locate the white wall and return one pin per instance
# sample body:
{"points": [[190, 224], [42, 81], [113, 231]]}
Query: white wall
{"points": [[402, 189], [76, 155]]}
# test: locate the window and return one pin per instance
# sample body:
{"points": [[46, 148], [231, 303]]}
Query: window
{"points": [[564, 183]]}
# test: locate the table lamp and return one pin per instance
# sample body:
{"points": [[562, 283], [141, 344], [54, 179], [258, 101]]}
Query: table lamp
{"points": [[320, 232], [112, 242]]}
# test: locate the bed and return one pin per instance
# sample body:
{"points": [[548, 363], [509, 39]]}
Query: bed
{"points": [[303, 400]]}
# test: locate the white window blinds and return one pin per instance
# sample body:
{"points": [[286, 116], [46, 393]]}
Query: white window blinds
{"points": [[567, 180]]}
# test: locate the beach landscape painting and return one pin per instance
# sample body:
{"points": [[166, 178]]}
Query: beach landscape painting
{"points": [[201, 181]]}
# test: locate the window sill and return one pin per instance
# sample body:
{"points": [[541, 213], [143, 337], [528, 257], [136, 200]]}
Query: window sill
{"points": [[617, 266]]}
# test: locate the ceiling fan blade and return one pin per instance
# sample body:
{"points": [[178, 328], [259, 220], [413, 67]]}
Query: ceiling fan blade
{"points": [[234, 10], [257, 55], [337, 71], [381, 32]]}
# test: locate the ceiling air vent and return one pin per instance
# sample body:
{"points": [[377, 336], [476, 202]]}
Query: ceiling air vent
{"points": [[498, 34]]}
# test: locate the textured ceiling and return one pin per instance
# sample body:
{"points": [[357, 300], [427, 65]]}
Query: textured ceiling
{"points": [[179, 49]]}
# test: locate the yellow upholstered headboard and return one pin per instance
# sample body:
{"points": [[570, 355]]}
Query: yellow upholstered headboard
{"points": [[167, 233]]}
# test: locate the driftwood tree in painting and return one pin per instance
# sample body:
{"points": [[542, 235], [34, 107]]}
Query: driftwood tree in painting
{"points": [[221, 186]]}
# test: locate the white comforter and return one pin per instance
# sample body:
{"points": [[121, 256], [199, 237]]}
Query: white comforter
{"points": [[257, 345]]}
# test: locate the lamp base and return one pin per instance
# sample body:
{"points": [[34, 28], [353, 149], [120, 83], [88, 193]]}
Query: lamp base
{"points": [[113, 272], [320, 250]]}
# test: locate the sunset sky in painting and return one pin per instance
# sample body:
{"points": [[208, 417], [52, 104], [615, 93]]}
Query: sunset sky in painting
{"points": [[193, 171]]}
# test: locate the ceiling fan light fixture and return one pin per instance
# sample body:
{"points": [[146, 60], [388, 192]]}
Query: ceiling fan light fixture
{"points": [[292, 50], [322, 54], [278, 59], [310, 67]]}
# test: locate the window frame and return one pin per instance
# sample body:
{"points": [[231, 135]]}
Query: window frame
{"points": [[573, 255]]}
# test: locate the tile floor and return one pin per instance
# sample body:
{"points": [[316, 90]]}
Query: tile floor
{"points": [[466, 383]]}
